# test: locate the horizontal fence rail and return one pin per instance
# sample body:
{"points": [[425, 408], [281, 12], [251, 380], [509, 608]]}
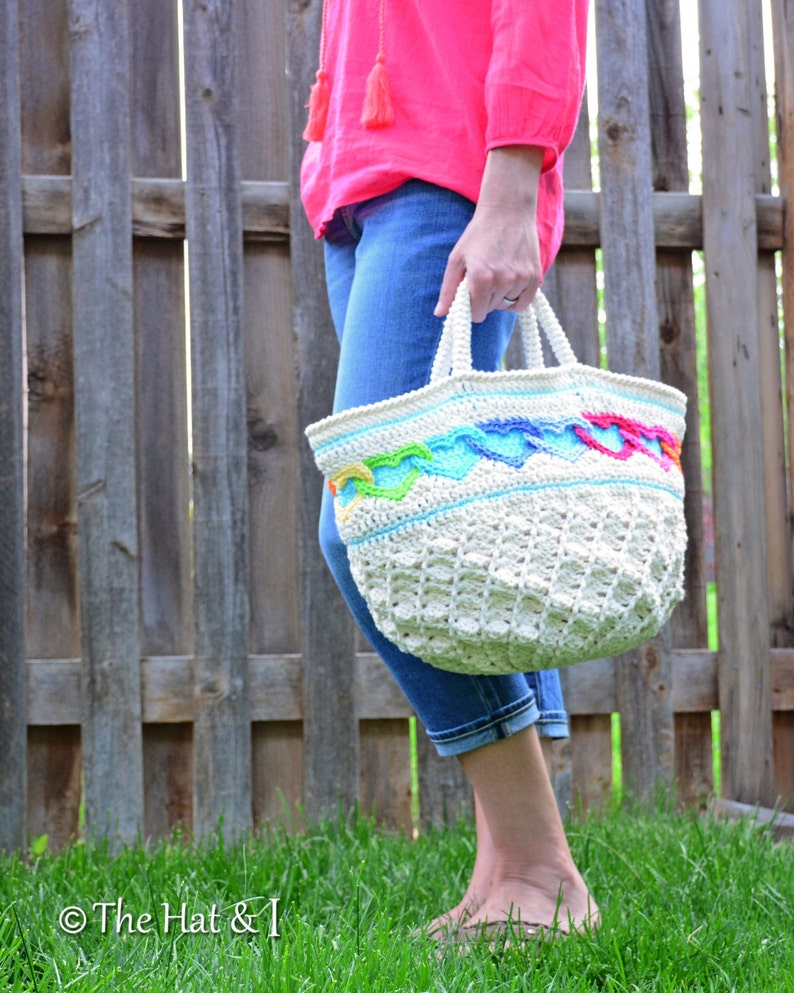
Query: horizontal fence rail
{"points": [[158, 211]]}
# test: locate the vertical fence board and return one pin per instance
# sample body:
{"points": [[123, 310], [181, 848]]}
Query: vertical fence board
{"points": [[591, 760], [675, 300], [104, 377], [676, 315], [730, 247], [262, 98], [444, 791], [331, 749], [160, 337], [385, 788], [163, 483], [772, 428], [13, 705], [573, 294], [627, 237], [53, 628], [783, 30], [271, 408], [168, 779], [273, 502], [277, 771], [572, 279], [222, 734]]}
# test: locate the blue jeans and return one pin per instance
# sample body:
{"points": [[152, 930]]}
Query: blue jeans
{"points": [[385, 259]]}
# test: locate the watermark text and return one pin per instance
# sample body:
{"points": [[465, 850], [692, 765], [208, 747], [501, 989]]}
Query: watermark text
{"points": [[253, 916]]}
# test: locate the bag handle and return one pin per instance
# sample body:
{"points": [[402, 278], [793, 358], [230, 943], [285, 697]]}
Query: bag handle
{"points": [[453, 355]]}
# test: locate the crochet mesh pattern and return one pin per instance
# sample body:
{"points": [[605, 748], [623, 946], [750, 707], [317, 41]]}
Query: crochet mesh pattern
{"points": [[513, 521]]}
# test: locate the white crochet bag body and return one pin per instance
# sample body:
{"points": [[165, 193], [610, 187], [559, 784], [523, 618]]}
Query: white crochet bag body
{"points": [[512, 521]]}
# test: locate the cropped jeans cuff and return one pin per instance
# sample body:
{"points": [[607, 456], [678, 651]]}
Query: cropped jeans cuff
{"points": [[501, 724]]}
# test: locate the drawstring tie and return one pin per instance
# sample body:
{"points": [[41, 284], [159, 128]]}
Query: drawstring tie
{"points": [[377, 111]]}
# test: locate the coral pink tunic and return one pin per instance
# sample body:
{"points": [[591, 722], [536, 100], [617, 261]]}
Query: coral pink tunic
{"points": [[465, 76]]}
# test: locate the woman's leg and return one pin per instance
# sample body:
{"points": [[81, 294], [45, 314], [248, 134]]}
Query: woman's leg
{"points": [[533, 878], [384, 262]]}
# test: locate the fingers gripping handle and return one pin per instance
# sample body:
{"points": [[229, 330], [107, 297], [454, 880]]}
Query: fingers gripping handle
{"points": [[453, 355]]}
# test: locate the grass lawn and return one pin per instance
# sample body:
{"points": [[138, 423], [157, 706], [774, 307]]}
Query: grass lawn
{"points": [[688, 904]]}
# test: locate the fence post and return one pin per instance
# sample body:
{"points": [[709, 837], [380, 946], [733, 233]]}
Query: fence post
{"points": [[13, 708], [730, 245], [644, 683], [330, 725], [105, 414], [221, 730]]}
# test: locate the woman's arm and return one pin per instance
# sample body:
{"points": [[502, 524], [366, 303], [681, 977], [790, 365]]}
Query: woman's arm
{"points": [[499, 252]]}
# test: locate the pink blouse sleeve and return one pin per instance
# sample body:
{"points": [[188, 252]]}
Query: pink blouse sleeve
{"points": [[536, 76]]}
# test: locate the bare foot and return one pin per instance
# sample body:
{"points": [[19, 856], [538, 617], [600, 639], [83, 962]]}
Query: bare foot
{"points": [[500, 892], [557, 898], [534, 879]]}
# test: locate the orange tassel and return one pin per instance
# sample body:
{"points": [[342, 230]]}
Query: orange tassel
{"points": [[319, 98], [377, 112]]}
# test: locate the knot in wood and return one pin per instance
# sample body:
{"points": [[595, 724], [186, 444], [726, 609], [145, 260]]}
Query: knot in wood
{"points": [[261, 436], [669, 331], [615, 130], [650, 656]]}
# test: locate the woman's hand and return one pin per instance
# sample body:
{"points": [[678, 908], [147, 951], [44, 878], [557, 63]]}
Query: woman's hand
{"points": [[499, 252]]}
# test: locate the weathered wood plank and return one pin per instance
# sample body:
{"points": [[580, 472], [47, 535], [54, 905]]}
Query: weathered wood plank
{"points": [[643, 686], [572, 280], [222, 734], [676, 315], [591, 760], [53, 627], [782, 824], [385, 786], [445, 794], [158, 208], [54, 770], [783, 753], [271, 405], [694, 766], [675, 299], [262, 97], [331, 746], [160, 339], [158, 211], [783, 35], [52, 596], [730, 246], [275, 687], [13, 730], [105, 417], [277, 766], [773, 441], [168, 778], [273, 452], [163, 480]]}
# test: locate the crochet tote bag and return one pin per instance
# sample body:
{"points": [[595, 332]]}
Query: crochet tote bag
{"points": [[512, 521]]}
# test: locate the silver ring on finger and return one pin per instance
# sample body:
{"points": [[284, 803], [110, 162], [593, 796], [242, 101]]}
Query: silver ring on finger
{"points": [[509, 301]]}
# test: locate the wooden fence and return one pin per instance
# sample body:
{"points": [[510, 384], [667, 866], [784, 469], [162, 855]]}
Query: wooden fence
{"points": [[172, 648]]}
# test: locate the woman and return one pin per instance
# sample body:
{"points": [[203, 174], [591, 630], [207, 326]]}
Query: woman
{"points": [[436, 133]]}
